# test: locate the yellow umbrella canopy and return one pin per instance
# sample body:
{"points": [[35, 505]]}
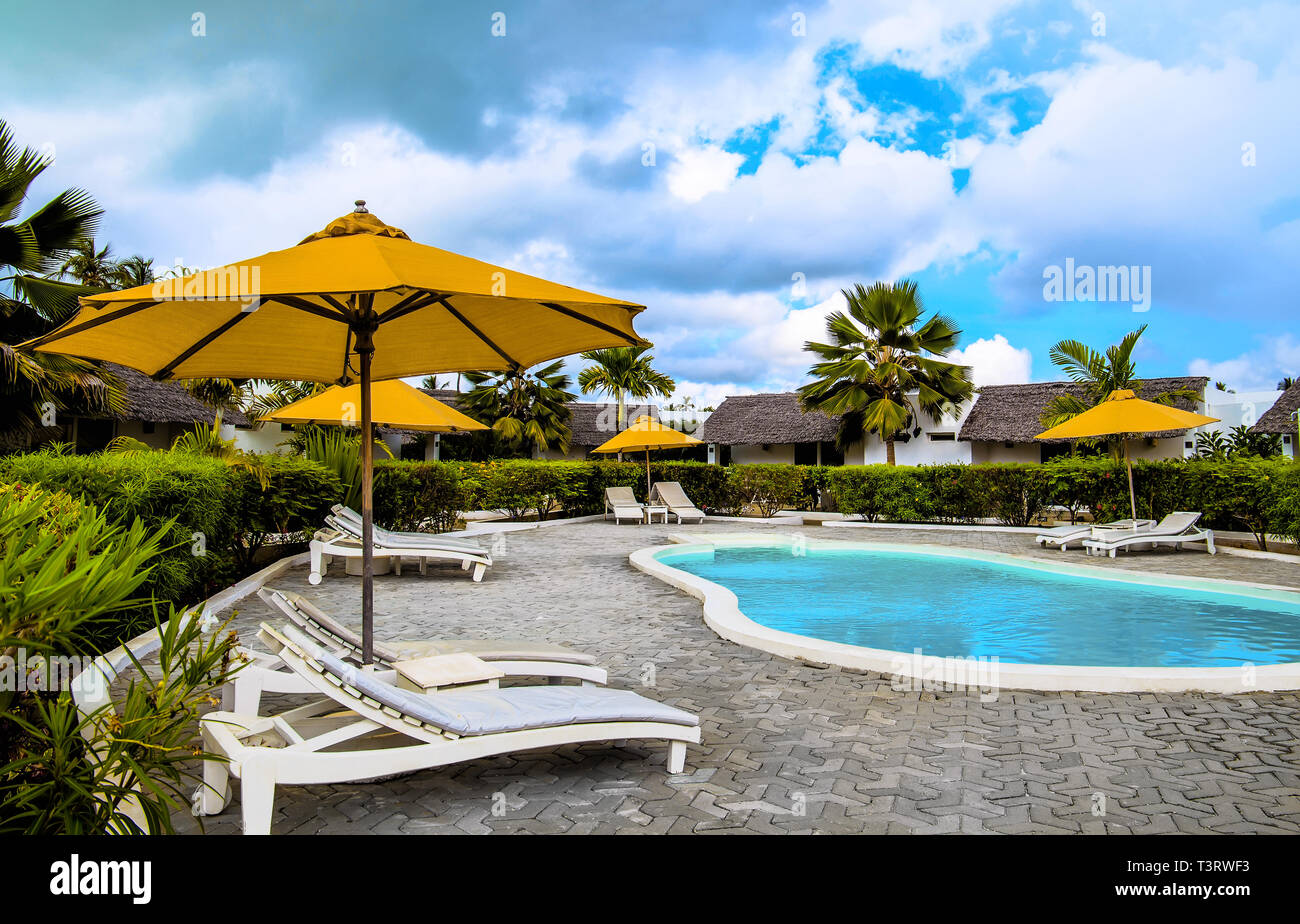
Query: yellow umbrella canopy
{"points": [[308, 311], [356, 301], [393, 403], [647, 433], [1124, 413]]}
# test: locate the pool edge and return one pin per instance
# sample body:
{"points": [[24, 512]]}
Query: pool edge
{"points": [[722, 614]]}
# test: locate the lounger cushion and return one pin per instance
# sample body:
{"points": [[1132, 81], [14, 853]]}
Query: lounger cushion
{"points": [[489, 712], [503, 649]]}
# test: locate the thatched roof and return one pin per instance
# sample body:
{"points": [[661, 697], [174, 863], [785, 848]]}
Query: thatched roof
{"points": [[1278, 419], [591, 423], [161, 402], [1013, 413], [771, 418]]}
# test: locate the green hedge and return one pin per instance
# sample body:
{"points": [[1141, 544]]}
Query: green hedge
{"points": [[219, 516], [1261, 496]]}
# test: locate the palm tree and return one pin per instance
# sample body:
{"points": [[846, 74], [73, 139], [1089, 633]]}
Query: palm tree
{"points": [[1097, 375], [222, 394], [135, 271], [1286, 382], [881, 372], [91, 266], [524, 409], [32, 249], [623, 372]]}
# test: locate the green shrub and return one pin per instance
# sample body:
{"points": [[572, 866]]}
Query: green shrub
{"points": [[195, 494], [298, 495], [220, 516], [1014, 493], [519, 486], [768, 487], [421, 495], [1284, 512], [1244, 493]]}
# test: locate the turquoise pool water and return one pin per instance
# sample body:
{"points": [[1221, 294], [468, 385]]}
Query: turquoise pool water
{"points": [[954, 607]]}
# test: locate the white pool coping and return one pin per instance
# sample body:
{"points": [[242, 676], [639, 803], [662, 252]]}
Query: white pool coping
{"points": [[914, 670]]}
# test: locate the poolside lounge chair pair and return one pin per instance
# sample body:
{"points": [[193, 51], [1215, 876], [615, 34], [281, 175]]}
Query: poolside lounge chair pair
{"points": [[384, 729], [342, 539], [1177, 529], [265, 673], [667, 494]]}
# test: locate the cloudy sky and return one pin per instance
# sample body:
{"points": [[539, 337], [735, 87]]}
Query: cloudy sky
{"points": [[731, 165]]}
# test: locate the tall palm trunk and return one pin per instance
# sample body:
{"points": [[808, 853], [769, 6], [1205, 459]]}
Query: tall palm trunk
{"points": [[889, 452], [620, 416]]}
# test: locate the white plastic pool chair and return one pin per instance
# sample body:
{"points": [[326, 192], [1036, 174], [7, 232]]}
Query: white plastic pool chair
{"points": [[265, 673], [1062, 536], [671, 495], [347, 519], [339, 541], [623, 504], [1177, 529], [383, 729]]}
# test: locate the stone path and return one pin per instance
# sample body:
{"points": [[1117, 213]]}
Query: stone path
{"points": [[788, 747]]}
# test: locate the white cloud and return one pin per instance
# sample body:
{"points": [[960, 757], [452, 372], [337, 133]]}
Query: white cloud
{"points": [[1257, 370], [934, 37], [995, 361], [696, 172]]}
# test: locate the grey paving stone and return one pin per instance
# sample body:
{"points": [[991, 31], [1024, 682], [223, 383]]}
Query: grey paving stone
{"points": [[855, 755]]}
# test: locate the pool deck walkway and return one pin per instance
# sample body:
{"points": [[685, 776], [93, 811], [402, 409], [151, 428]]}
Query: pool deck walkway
{"points": [[792, 748]]}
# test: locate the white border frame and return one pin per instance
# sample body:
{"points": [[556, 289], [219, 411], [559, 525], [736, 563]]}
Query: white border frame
{"points": [[722, 614]]}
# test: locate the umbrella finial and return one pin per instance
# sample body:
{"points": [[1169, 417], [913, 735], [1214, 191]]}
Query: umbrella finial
{"points": [[361, 207]]}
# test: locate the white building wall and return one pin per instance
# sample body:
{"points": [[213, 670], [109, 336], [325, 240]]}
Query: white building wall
{"points": [[756, 454], [264, 439]]}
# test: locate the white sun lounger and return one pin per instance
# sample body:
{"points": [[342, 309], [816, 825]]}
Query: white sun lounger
{"points": [[672, 496], [339, 542], [1062, 536], [1177, 529], [623, 504], [348, 520], [263, 673], [383, 730]]}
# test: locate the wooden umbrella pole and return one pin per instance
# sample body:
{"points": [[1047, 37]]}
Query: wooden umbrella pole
{"points": [[647, 476], [365, 351]]}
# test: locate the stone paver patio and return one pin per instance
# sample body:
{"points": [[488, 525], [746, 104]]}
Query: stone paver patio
{"points": [[793, 748]]}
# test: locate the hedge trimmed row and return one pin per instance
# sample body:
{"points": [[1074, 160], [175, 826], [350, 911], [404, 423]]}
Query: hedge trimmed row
{"points": [[1261, 496], [219, 518], [1258, 495], [430, 495]]}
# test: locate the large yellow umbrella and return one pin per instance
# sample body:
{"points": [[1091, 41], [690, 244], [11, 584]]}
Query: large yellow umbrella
{"points": [[393, 403], [1124, 413], [647, 433], [357, 301]]}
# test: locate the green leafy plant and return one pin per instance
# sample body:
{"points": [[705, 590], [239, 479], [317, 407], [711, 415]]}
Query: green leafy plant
{"points": [[339, 451], [68, 571]]}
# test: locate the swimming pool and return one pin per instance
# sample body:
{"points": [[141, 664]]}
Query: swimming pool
{"points": [[851, 604]]}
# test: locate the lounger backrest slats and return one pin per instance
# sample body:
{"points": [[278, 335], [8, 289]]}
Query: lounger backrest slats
{"points": [[671, 493], [315, 622], [1177, 522], [621, 497]]}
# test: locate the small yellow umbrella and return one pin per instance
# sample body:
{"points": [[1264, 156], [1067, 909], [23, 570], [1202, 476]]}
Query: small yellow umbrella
{"points": [[1124, 413], [393, 403], [647, 433]]}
